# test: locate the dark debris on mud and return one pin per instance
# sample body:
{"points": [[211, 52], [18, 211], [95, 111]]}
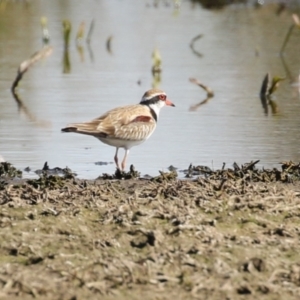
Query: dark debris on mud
{"points": [[131, 174], [289, 172], [227, 234]]}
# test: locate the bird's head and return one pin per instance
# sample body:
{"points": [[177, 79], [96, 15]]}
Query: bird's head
{"points": [[156, 99]]}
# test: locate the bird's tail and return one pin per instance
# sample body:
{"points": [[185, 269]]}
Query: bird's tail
{"points": [[84, 128], [69, 129]]}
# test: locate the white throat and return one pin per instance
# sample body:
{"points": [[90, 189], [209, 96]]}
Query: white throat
{"points": [[156, 107]]}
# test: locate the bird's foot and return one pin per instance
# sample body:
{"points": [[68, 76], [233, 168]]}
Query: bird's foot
{"points": [[132, 173]]}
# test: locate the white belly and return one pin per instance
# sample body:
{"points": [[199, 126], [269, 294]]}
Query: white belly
{"points": [[127, 144]]}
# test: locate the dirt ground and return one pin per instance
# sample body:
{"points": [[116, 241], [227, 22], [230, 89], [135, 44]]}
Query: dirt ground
{"points": [[226, 234]]}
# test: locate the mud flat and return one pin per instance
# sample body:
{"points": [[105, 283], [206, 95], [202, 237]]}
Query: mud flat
{"points": [[226, 234]]}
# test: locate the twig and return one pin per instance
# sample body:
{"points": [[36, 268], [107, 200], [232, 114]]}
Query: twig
{"points": [[288, 35], [80, 34], [208, 90], [24, 66]]}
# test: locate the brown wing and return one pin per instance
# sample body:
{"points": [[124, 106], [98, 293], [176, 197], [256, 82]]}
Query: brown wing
{"points": [[128, 122]]}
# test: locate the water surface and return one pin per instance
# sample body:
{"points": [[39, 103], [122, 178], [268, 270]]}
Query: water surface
{"points": [[240, 44]]}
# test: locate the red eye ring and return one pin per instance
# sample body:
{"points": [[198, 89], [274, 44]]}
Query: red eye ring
{"points": [[162, 97]]}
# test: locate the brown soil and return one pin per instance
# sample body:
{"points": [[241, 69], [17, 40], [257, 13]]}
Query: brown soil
{"points": [[230, 234]]}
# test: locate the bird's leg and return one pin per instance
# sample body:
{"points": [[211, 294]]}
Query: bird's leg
{"points": [[124, 159], [116, 158]]}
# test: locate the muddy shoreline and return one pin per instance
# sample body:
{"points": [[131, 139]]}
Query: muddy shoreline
{"points": [[226, 234]]}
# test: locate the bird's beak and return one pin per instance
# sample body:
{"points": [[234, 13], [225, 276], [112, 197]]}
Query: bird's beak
{"points": [[169, 103]]}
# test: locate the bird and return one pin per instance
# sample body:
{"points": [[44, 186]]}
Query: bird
{"points": [[125, 126]]}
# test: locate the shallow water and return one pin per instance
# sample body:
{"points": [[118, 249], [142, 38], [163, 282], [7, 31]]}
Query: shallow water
{"points": [[240, 44]]}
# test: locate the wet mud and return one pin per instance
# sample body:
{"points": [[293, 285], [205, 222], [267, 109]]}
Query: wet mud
{"points": [[231, 233]]}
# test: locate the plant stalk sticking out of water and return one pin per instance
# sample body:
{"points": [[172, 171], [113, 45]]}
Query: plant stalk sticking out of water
{"points": [[156, 68], [156, 58], [25, 65], [80, 33], [67, 31], [288, 35], [79, 40], [45, 30], [267, 89], [23, 68], [66, 58]]}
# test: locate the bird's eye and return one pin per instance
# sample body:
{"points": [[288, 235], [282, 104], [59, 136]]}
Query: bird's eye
{"points": [[162, 97]]}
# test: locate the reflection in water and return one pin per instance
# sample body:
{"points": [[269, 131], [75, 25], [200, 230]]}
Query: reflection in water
{"points": [[209, 93], [216, 4], [88, 40], [196, 106], [193, 47], [267, 101], [91, 53], [108, 44], [79, 43], [267, 89], [80, 51], [22, 109], [156, 68], [91, 29], [66, 61], [228, 63]]}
